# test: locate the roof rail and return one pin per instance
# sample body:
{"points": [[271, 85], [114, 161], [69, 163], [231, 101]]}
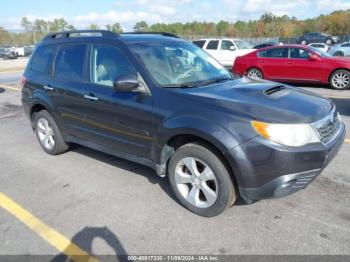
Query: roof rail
{"points": [[68, 34], [152, 33]]}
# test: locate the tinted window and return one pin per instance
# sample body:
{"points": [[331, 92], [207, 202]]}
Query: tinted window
{"points": [[274, 53], [42, 58], [227, 45], [70, 62], [213, 45], [199, 43], [108, 64], [346, 45], [298, 53]]}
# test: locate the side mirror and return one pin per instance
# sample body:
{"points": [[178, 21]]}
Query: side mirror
{"points": [[314, 57], [126, 83]]}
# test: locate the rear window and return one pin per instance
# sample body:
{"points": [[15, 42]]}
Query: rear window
{"points": [[42, 58], [70, 62], [213, 45], [199, 43]]}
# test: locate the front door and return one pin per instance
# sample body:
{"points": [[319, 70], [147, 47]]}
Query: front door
{"points": [[121, 121]]}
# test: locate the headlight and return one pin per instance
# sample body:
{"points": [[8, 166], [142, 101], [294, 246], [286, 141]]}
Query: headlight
{"points": [[287, 134]]}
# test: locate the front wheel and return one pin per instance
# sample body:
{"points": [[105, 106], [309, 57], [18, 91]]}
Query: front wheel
{"points": [[340, 79], [200, 180], [254, 73]]}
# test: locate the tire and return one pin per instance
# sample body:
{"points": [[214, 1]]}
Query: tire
{"points": [[48, 134], [303, 42], [340, 79], [339, 53], [254, 73], [206, 193]]}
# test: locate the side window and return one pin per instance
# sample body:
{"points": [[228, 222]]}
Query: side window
{"points": [[346, 45], [213, 45], [277, 53], [108, 64], [298, 53], [199, 43], [227, 45], [70, 62], [42, 58], [262, 53]]}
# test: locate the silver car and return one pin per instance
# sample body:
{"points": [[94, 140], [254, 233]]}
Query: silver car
{"points": [[342, 49]]}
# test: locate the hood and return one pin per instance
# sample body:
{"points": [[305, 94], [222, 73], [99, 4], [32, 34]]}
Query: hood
{"points": [[261, 100]]}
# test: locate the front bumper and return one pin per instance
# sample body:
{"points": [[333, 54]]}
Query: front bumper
{"points": [[266, 170]]}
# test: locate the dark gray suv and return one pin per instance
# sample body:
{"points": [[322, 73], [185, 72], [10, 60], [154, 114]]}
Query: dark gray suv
{"points": [[158, 100]]}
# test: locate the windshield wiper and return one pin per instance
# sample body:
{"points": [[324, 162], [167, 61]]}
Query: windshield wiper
{"points": [[216, 80], [184, 85]]}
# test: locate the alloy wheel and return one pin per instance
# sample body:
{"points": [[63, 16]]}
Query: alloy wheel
{"points": [[339, 54], [45, 133], [341, 80], [196, 182], [254, 73]]}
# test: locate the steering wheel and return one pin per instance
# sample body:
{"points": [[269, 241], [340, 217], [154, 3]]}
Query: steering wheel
{"points": [[185, 74]]}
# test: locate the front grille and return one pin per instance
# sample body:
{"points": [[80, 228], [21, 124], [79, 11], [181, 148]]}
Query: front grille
{"points": [[328, 128]]}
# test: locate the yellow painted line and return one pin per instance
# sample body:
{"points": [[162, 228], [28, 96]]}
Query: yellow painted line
{"points": [[347, 140], [57, 240], [10, 87]]}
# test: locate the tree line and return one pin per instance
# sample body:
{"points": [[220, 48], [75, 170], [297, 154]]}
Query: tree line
{"points": [[268, 25]]}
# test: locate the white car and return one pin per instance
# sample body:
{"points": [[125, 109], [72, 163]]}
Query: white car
{"points": [[321, 46], [225, 50]]}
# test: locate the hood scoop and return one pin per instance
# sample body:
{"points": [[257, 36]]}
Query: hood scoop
{"points": [[278, 91]]}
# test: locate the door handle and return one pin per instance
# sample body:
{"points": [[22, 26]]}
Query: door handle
{"points": [[289, 63], [48, 88], [90, 97]]}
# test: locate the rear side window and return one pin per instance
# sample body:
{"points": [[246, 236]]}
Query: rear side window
{"points": [[213, 45], [274, 53], [70, 62], [42, 58], [199, 43]]}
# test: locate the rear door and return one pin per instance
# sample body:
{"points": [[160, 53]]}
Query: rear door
{"points": [[273, 63], [121, 121], [68, 87], [227, 52], [212, 48]]}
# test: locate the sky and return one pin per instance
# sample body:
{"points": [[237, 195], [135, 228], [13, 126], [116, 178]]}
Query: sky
{"points": [[82, 13]]}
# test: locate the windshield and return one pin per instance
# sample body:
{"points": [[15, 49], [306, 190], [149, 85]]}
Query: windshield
{"points": [[179, 64], [243, 44], [320, 52]]}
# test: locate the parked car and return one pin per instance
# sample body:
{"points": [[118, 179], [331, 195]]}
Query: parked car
{"points": [[225, 50], [295, 63], [28, 50], [316, 37], [265, 45], [7, 53], [342, 49], [19, 51], [321, 46], [216, 137]]}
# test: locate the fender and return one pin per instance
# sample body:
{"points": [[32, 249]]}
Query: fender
{"points": [[197, 126], [39, 97]]}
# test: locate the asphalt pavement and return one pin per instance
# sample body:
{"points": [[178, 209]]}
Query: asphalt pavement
{"points": [[107, 205]]}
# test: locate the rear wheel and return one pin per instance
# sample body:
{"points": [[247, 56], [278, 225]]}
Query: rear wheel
{"points": [[48, 134], [340, 79], [200, 180], [339, 53], [255, 73]]}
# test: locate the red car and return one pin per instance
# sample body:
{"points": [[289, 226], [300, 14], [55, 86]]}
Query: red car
{"points": [[295, 63]]}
